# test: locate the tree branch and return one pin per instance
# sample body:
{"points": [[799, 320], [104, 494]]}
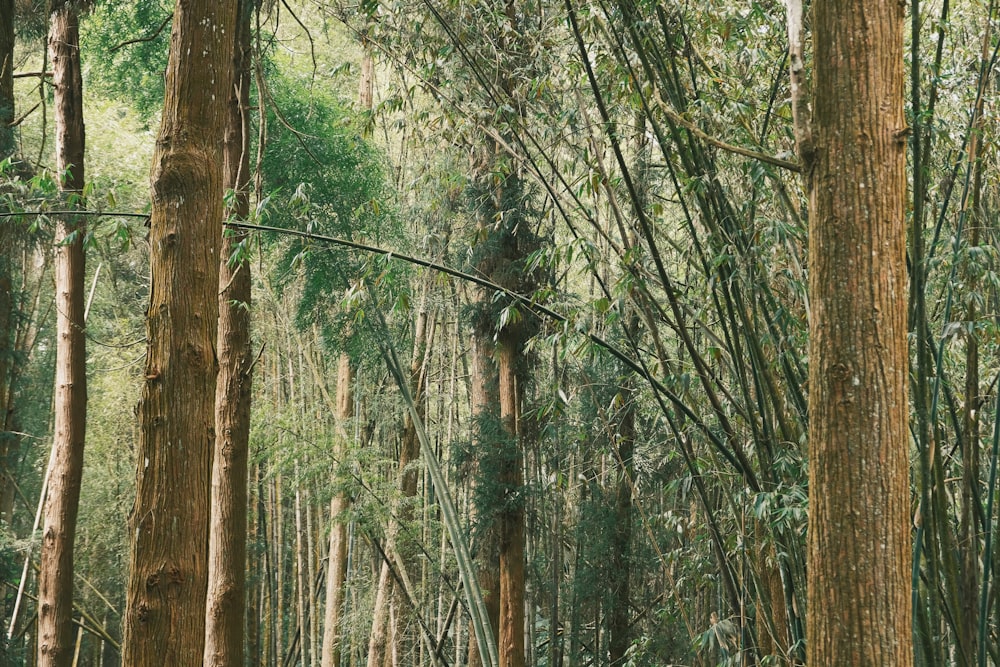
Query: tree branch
{"points": [[148, 38]]}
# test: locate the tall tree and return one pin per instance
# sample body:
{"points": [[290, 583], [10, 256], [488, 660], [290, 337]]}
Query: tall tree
{"points": [[859, 609], [483, 403], [55, 574], [6, 282], [336, 572], [6, 77], [165, 599], [620, 566], [384, 640], [226, 603]]}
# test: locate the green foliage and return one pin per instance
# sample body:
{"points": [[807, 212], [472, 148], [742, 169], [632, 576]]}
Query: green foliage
{"points": [[327, 179], [124, 45]]}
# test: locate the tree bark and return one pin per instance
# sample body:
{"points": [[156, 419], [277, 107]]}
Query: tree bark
{"points": [[55, 575], [336, 573], [511, 518], [484, 399], [859, 610], [226, 599], [168, 576]]}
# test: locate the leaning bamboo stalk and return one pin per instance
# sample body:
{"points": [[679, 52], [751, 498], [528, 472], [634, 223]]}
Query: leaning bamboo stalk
{"points": [[456, 531]]}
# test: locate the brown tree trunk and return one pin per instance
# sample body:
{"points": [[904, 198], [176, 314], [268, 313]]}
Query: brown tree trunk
{"points": [[168, 576], [336, 573], [55, 575], [511, 478], [226, 598], [859, 610], [484, 400]]}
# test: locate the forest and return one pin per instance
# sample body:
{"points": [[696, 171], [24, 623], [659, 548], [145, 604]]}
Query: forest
{"points": [[495, 333]]}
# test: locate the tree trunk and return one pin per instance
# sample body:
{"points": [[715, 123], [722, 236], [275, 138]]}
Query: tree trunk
{"points": [[227, 550], [484, 399], [969, 534], [511, 478], [6, 258], [303, 585], [336, 573], [859, 610], [55, 575], [620, 566], [379, 645], [168, 575], [6, 78]]}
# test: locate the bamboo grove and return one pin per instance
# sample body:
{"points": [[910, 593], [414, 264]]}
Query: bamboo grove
{"points": [[489, 333]]}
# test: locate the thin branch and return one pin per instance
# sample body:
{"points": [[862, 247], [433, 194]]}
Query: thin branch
{"points": [[718, 143], [110, 214], [533, 307], [148, 38]]}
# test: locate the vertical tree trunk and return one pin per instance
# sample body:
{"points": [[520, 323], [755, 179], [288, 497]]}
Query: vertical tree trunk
{"points": [[278, 541], [858, 614], [511, 478], [969, 533], [620, 566], [7, 147], [380, 647], [302, 583], [168, 575], [226, 599], [6, 78], [312, 560], [336, 573], [55, 575], [484, 399]]}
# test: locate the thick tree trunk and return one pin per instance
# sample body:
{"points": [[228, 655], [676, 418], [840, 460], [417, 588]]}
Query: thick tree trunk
{"points": [[484, 399], [336, 573], [55, 575], [168, 575], [226, 598], [859, 610], [511, 518]]}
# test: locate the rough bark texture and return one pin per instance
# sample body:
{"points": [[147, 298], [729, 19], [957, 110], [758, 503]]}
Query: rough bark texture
{"points": [[511, 646], [859, 610], [168, 575], [336, 573], [484, 398], [55, 574], [227, 551]]}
